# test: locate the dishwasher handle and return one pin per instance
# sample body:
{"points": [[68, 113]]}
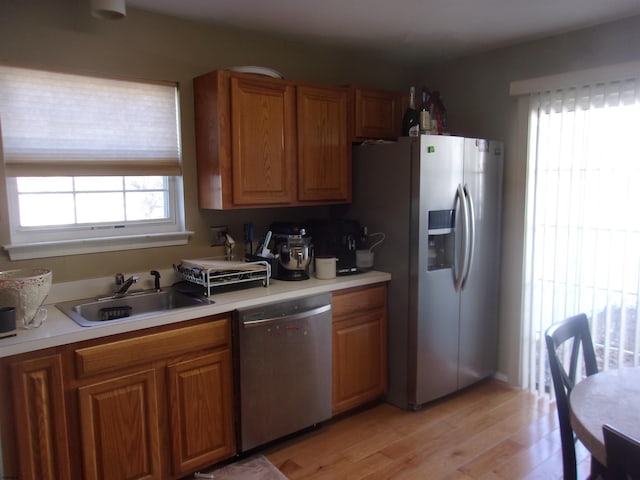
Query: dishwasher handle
{"points": [[295, 316]]}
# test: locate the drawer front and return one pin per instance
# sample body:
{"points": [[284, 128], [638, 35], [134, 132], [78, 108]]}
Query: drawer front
{"points": [[148, 348], [357, 300]]}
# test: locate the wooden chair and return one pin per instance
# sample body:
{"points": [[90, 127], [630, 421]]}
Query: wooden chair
{"points": [[623, 454], [574, 328]]}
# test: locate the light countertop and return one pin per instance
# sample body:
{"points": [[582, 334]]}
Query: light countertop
{"points": [[59, 329]]}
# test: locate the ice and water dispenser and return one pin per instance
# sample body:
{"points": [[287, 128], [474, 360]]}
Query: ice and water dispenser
{"points": [[441, 239]]}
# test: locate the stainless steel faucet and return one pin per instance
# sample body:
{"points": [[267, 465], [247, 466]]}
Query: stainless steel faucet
{"points": [[156, 280], [124, 284]]}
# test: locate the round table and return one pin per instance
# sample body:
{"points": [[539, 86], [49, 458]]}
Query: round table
{"points": [[612, 397]]}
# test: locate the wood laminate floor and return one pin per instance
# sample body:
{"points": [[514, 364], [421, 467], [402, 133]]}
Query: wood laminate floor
{"points": [[489, 431]]}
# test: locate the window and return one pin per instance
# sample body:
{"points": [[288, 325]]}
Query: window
{"points": [[91, 164], [583, 244]]}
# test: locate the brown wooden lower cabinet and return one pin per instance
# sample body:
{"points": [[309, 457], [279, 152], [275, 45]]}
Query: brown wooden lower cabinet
{"points": [[157, 405], [201, 410], [40, 441], [120, 427], [359, 346]]}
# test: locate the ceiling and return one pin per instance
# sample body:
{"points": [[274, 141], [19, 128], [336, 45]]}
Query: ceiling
{"points": [[409, 30]]}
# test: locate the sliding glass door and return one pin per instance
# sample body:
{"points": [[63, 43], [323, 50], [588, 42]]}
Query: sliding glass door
{"points": [[583, 221]]}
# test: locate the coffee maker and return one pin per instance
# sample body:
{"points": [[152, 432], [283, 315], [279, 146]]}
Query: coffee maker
{"points": [[292, 246], [338, 238]]}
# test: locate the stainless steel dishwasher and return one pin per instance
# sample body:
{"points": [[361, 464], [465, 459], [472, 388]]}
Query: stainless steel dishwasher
{"points": [[283, 355]]}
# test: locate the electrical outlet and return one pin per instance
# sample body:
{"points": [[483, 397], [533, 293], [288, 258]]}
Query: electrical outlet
{"points": [[218, 236]]}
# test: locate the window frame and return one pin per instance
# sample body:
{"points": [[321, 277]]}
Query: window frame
{"points": [[52, 241], [40, 242]]}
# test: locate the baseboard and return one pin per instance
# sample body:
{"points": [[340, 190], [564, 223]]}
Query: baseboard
{"points": [[501, 377]]}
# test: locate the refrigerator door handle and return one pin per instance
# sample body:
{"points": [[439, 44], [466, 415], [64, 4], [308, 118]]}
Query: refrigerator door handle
{"points": [[472, 235], [460, 264]]}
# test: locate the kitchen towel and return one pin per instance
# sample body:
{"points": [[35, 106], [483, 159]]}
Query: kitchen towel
{"points": [[252, 468]]}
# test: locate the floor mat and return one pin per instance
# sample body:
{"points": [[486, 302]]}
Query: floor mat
{"points": [[252, 468]]}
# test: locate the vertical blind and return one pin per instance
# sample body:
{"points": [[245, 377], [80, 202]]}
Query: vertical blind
{"points": [[67, 125], [583, 224]]}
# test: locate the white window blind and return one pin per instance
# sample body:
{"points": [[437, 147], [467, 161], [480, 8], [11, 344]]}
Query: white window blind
{"points": [[583, 227], [58, 124]]}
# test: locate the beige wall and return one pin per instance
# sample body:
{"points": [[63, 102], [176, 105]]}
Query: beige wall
{"points": [[476, 93], [62, 35]]}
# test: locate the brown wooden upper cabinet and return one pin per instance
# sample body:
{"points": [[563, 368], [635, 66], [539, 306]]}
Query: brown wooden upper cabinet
{"points": [[324, 147], [262, 141], [378, 114]]}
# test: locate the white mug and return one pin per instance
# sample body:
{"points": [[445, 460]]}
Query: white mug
{"points": [[325, 268]]}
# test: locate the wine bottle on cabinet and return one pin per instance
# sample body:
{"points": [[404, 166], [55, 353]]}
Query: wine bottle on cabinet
{"points": [[425, 114], [411, 120], [443, 115]]}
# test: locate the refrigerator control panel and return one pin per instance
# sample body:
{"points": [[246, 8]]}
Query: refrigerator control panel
{"points": [[441, 219]]}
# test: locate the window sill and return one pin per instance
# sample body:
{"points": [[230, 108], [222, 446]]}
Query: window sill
{"points": [[95, 245]]}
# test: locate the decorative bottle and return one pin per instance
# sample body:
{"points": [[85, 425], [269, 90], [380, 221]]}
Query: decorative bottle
{"points": [[425, 114], [411, 120]]}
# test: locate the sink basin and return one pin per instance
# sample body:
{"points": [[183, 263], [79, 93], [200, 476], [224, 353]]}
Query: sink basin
{"points": [[90, 312]]}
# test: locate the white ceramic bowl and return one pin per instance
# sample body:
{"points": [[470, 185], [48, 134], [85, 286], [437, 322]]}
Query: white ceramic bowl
{"points": [[25, 289]]}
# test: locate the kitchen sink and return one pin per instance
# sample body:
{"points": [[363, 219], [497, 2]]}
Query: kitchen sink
{"points": [[92, 311]]}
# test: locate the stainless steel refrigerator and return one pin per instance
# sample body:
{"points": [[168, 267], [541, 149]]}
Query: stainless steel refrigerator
{"points": [[438, 201]]}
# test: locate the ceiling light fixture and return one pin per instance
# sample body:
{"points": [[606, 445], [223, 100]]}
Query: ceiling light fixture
{"points": [[108, 9]]}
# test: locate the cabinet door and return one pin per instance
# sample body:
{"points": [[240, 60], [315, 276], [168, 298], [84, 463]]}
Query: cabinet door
{"points": [[324, 149], [359, 359], [263, 141], [200, 408], [377, 114], [41, 425], [120, 432]]}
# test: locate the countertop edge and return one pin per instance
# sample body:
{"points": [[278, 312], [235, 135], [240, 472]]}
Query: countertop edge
{"points": [[61, 330]]}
